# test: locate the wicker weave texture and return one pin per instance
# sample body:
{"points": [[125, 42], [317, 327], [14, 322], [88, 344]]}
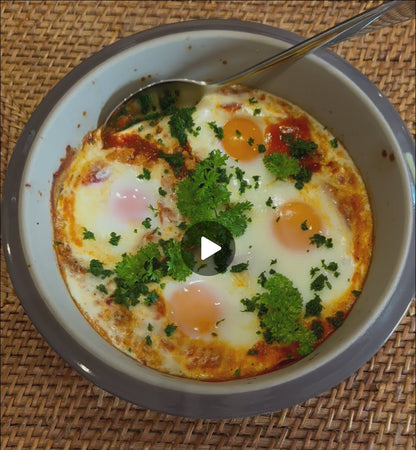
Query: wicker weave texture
{"points": [[44, 403]]}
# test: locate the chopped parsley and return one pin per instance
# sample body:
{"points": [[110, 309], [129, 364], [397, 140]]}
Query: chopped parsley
{"points": [[303, 176], [261, 148], [101, 287], [320, 240], [148, 340], [314, 307], [86, 234], [175, 161], [280, 312], [356, 293], [257, 112], [252, 351], [269, 202], [181, 124], [237, 373], [243, 183], [149, 327], [151, 298], [162, 192], [170, 329], [239, 267], [218, 131], [331, 267], [146, 175], [334, 143], [320, 282], [298, 147], [253, 100], [147, 223], [238, 133], [97, 269], [336, 320], [250, 141], [304, 226], [314, 271], [317, 329], [114, 238]]}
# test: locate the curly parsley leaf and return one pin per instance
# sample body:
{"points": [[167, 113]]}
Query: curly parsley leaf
{"points": [[97, 269], [203, 195], [281, 165], [298, 147], [280, 311], [234, 219], [176, 267]]}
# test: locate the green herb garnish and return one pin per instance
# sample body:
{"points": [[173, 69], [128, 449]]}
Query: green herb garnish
{"points": [[102, 288], [280, 312], [314, 307], [320, 240], [334, 143], [181, 124], [114, 238], [97, 269], [146, 175], [218, 131], [86, 234], [147, 223], [162, 192], [239, 267], [175, 161], [170, 329], [204, 195]]}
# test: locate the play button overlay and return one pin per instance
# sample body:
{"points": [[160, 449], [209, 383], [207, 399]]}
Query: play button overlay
{"points": [[208, 248]]}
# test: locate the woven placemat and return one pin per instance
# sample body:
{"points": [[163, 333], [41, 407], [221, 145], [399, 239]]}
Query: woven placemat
{"points": [[44, 403]]}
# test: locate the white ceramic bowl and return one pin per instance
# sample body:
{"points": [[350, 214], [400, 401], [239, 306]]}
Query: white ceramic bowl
{"points": [[324, 85]]}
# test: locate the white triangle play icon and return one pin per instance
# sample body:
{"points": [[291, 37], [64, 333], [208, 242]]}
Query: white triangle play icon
{"points": [[208, 248]]}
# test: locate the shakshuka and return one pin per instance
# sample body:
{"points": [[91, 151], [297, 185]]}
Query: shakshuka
{"points": [[271, 174]]}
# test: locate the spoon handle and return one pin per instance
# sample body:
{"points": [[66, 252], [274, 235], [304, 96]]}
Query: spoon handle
{"points": [[386, 14]]}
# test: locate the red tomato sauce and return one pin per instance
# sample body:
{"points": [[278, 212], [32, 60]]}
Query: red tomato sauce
{"points": [[298, 128]]}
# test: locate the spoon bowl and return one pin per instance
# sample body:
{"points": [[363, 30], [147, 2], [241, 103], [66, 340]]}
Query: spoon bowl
{"points": [[157, 99]]}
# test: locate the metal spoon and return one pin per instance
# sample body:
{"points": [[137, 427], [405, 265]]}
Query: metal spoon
{"points": [[155, 99]]}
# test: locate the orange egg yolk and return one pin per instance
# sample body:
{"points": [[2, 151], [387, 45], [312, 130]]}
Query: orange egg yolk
{"points": [[195, 310], [242, 138], [295, 223]]}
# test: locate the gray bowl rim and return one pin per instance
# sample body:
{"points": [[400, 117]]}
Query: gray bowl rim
{"points": [[176, 402]]}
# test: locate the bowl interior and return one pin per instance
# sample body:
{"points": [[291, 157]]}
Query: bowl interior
{"points": [[329, 93]]}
